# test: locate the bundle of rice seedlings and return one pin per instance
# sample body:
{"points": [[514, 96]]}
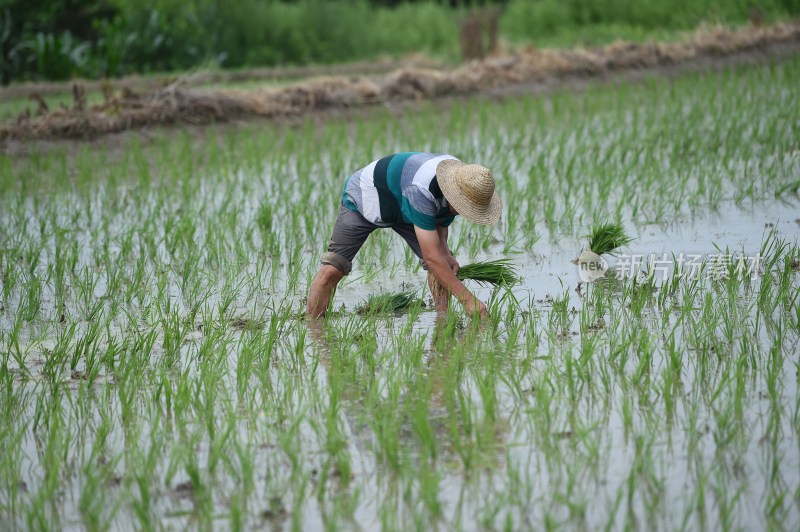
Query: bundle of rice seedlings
{"points": [[496, 272], [607, 237], [387, 303]]}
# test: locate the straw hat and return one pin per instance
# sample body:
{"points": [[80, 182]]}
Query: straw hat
{"points": [[470, 189]]}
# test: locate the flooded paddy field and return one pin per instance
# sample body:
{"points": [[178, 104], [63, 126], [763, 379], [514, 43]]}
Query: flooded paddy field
{"points": [[157, 372]]}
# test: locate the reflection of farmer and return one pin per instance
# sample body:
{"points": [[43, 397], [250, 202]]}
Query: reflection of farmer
{"points": [[417, 195]]}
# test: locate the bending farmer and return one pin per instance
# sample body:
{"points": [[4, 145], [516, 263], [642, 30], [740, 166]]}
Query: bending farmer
{"points": [[418, 195]]}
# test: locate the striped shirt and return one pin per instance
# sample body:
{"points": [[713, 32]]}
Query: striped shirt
{"points": [[399, 189]]}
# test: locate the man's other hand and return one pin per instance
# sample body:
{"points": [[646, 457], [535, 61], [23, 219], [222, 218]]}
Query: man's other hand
{"points": [[453, 263], [475, 308]]}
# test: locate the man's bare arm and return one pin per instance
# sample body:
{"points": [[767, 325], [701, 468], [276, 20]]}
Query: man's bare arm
{"points": [[448, 255], [431, 245]]}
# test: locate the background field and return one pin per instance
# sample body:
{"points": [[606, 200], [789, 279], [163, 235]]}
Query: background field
{"points": [[157, 372], [61, 39]]}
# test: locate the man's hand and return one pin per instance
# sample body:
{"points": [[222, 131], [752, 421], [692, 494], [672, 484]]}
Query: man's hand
{"points": [[475, 308]]}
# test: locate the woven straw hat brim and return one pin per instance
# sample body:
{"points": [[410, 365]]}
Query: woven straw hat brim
{"points": [[487, 214]]}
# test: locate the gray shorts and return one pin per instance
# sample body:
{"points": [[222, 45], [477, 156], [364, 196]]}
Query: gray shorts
{"points": [[350, 233]]}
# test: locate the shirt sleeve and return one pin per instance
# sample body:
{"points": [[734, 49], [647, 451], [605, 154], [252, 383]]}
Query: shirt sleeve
{"points": [[445, 222], [420, 207]]}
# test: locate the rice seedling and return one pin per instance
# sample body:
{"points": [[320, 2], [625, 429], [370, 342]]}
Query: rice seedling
{"points": [[389, 303], [500, 272], [606, 238]]}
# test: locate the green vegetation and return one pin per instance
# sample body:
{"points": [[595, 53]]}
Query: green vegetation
{"points": [[384, 303], [500, 272], [154, 372], [570, 22], [60, 39], [608, 237]]}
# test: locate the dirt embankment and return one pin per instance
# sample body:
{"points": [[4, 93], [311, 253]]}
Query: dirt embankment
{"points": [[178, 104], [206, 77]]}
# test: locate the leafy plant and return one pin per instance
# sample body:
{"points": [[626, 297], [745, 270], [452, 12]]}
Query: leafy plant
{"points": [[607, 237], [59, 56], [499, 272], [391, 302]]}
